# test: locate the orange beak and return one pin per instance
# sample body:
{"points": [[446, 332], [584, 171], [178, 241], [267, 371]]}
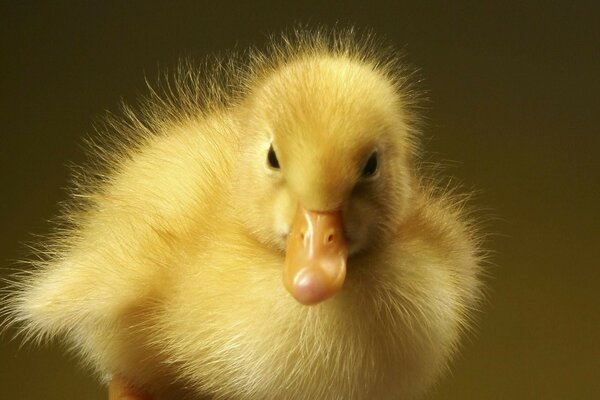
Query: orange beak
{"points": [[316, 254]]}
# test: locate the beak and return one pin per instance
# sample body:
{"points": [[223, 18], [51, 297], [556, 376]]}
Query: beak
{"points": [[316, 255]]}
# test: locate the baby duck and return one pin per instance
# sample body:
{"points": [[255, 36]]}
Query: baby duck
{"points": [[262, 233]]}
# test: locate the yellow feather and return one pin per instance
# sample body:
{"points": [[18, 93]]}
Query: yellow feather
{"points": [[168, 268]]}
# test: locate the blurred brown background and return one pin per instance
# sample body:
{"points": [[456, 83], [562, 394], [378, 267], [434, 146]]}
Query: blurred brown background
{"points": [[514, 111]]}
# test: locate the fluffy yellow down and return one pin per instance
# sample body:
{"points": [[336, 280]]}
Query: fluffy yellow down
{"points": [[168, 266]]}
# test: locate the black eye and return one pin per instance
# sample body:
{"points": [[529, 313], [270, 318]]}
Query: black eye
{"points": [[272, 158], [371, 166]]}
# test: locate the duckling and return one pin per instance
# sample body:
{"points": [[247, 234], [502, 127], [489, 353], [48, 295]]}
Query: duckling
{"points": [[262, 231]]}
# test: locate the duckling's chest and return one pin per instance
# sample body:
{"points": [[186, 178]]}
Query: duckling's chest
{"points": [[257, 350], [247, 338]]}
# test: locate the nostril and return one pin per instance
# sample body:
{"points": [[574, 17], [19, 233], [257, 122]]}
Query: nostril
{"points": [[330, 235]]}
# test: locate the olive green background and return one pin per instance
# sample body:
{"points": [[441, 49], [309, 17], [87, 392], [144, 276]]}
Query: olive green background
{"points": [[514, 93]]}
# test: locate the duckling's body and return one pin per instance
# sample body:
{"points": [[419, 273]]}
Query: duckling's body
{"points": [[171, 273]]}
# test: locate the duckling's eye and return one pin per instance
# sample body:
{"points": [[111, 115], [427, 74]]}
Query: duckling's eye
{"points": [[272, 158], [370, 167]]}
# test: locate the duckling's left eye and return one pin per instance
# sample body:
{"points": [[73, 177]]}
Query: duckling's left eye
{"points": [[272, 158], [371, 165]]}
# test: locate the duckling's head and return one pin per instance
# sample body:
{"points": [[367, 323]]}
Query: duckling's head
{"points": [[325, 170]]}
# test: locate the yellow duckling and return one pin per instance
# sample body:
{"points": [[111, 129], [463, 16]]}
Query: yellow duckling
{"points": [[263, 233]]}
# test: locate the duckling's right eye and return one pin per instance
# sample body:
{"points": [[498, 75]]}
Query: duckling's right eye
{"points": [[272, 158]]}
